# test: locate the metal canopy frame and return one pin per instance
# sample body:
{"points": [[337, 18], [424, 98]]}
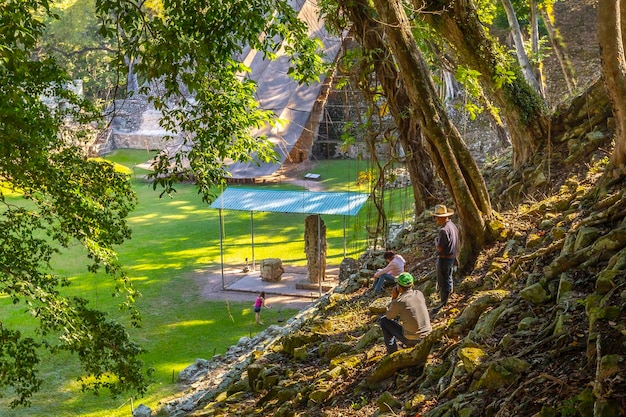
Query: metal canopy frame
{"points": [[279, 201]]}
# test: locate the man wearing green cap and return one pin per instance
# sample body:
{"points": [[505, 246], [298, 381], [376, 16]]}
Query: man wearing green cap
{"points": [[406, 319]]}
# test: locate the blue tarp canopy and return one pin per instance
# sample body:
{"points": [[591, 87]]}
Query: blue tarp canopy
{"points": [[280, 201]]}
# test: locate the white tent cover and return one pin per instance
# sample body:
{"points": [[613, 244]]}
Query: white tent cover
{"points": [[279, 201]]}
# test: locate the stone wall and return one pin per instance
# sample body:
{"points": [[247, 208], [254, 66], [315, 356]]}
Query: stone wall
{"points": [[134, 125]]}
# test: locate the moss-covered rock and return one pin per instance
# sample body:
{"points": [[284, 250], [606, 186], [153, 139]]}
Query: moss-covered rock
{"points": [[535, 293], [254, 371], [346, 361], [471, 357], [610, 366], [300, 353], [585, 237], [295, 340], [533, 240], [498, 229], [561, 325], [605, 281], [485, 327], [286, 394], [564, 292], [526, 323], [500, 373], [379, 305], [333, 350], [387, 402], [558, 232], [320, 393], [239, 386], [371, 335]]}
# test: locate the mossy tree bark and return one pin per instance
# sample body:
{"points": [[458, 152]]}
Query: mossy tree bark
{"points": [[518, 41], [611, 32], [451, 157], [522, 108], [369, 33]]}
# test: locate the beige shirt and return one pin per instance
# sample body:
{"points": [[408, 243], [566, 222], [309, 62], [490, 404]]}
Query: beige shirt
{"points": [[410, 308]]}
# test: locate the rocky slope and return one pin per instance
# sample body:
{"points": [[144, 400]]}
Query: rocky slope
{"points": [[537, 327]]}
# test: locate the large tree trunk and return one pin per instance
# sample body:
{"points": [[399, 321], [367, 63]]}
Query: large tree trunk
{"points": [[535, 45], [522, 108], [452, 159], [559, 50], [611, 32], [368, 32], [518, 41]]}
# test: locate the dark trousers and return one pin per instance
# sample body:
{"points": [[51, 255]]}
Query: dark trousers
{"points": [[392, 332], [445, 269]]}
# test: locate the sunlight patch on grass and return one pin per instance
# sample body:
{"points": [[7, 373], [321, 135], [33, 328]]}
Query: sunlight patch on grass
{"points": [[146, 218], [192, 254], [118, 167], [191, 323], [175, 216], [169, 368], [152, 266]]}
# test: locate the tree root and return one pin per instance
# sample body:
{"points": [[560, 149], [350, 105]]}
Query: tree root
{"points": [[601, 249], [417, 356], [615, 211], [502, 408], [516, 265]]}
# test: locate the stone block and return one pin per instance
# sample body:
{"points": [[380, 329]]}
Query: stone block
{"points": [[272, 269]]}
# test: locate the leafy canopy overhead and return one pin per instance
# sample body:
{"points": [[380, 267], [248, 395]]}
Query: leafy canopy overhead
{"points": [[189, 50], [65, 199]]}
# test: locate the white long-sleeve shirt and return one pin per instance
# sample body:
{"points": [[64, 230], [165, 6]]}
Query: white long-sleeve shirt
{"points": [[395, 267]]}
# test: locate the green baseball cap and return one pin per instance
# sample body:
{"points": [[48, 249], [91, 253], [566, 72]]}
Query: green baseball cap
{"points": [[405, 279]]}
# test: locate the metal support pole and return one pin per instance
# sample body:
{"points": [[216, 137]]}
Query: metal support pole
{"points": [[344, 237], [222, 248], [252, 228], [319, 252]]}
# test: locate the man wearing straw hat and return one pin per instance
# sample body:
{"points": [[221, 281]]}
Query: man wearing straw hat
{"points": [[447, 244]]}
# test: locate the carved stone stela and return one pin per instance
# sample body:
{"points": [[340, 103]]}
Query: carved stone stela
{"points": [[315, 252]]}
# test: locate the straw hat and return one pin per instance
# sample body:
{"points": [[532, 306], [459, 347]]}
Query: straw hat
{"points": [[442, 211]]}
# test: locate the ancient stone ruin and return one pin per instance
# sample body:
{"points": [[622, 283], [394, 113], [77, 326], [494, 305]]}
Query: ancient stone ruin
{"points": [[315, 247], [271, 269]]}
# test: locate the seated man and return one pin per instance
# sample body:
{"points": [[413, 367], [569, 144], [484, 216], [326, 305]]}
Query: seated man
{"points": [[406, 319], [395, 266]]}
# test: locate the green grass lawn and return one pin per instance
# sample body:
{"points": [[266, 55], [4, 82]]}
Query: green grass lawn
{"points": [[175, 240]]}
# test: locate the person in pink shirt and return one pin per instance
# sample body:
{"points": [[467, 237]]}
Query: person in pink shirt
{"points": [[395, 266], [258, 304]]}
